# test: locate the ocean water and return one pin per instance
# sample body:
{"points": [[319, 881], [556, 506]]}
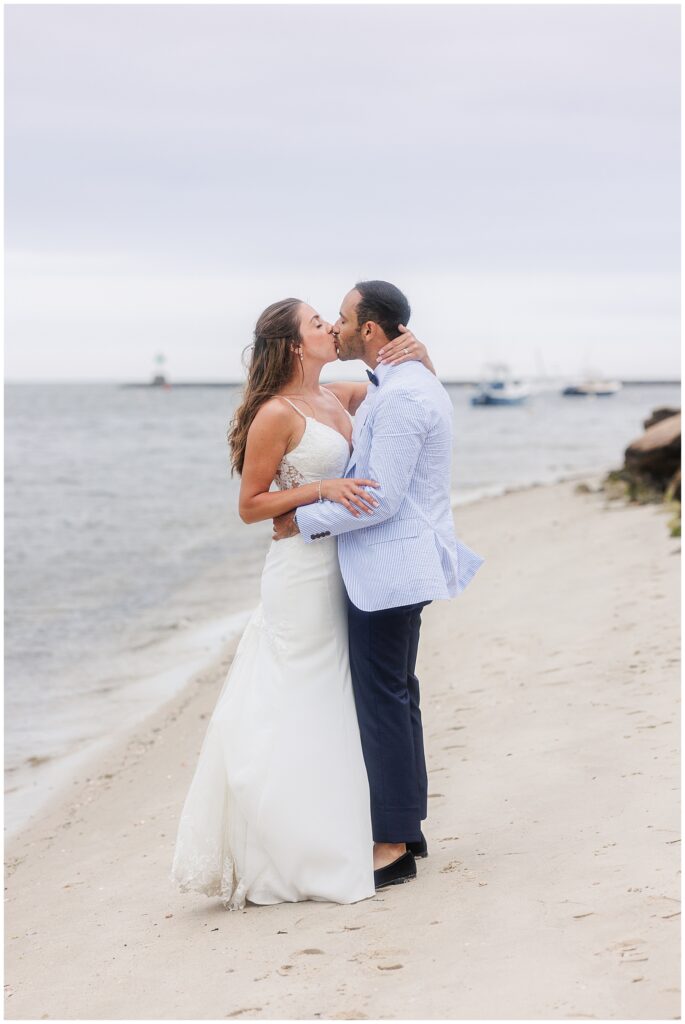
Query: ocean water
{"points": [[127, 566]]}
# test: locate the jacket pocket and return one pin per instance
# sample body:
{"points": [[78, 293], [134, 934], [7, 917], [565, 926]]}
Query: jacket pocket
{"points": [[393, 530]]}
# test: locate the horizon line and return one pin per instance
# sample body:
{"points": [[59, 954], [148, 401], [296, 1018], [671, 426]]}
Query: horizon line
{"points": [[460, 382]]}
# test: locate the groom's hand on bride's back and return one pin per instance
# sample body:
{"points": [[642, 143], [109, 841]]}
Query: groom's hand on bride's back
{"points": [[285, 526]]}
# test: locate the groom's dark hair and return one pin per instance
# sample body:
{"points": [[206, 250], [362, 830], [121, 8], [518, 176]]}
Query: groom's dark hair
{"points": [[384, 304]]}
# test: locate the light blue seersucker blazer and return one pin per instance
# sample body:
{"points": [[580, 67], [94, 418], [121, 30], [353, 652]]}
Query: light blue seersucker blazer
{"points": [[406, 551]]}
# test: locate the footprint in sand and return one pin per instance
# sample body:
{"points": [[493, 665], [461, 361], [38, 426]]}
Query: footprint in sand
{"points": [[453, 865], [629, 951]]}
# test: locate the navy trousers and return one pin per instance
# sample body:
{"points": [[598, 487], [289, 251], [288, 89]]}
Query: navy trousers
{"points": [[383, 649]]}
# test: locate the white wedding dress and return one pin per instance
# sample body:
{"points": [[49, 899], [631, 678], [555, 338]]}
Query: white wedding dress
{"points": [[278, 809]]}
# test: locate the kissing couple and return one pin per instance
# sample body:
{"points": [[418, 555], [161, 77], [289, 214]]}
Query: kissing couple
{"points": [[311, 783]]}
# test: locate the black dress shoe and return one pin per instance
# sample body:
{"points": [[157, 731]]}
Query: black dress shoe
{"points": [[401, 870], [419, 849]]}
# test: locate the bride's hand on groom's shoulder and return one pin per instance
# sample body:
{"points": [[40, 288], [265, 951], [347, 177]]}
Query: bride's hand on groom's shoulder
{"points": [[405, 346]]}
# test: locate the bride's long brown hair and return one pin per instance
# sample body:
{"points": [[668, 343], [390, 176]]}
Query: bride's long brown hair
{"points": [[271, 359]]}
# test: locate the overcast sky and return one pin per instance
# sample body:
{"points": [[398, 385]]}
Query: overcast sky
{"points": [[170, 170]]}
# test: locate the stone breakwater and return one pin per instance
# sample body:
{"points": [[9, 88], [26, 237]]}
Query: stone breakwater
{"points": [[651, 471]]}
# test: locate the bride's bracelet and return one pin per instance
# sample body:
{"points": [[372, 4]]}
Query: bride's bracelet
{"points": [[320, 482]]}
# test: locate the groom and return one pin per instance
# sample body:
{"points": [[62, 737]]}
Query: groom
{"points": [[394, 562]]}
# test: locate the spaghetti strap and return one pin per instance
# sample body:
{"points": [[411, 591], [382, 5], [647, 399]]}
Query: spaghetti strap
{"points": [[338, 400], [294, 406]]}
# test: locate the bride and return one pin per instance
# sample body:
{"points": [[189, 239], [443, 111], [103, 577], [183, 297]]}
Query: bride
{"points": [[278, 808]]}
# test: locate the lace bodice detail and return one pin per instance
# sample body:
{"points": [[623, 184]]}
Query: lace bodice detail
{"points": [[322, 454]]}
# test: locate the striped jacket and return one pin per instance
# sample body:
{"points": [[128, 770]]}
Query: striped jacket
{"points": [[406, 551]]}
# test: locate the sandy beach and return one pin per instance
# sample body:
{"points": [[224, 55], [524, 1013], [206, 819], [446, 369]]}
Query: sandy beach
{"points": [[550, 700]]}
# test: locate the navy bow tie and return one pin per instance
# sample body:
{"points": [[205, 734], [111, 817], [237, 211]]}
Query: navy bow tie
{"points": [[372, 377]]}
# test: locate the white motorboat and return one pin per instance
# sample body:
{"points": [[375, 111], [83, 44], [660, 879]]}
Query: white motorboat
{"points": [[598, 388], [499, 387]]}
